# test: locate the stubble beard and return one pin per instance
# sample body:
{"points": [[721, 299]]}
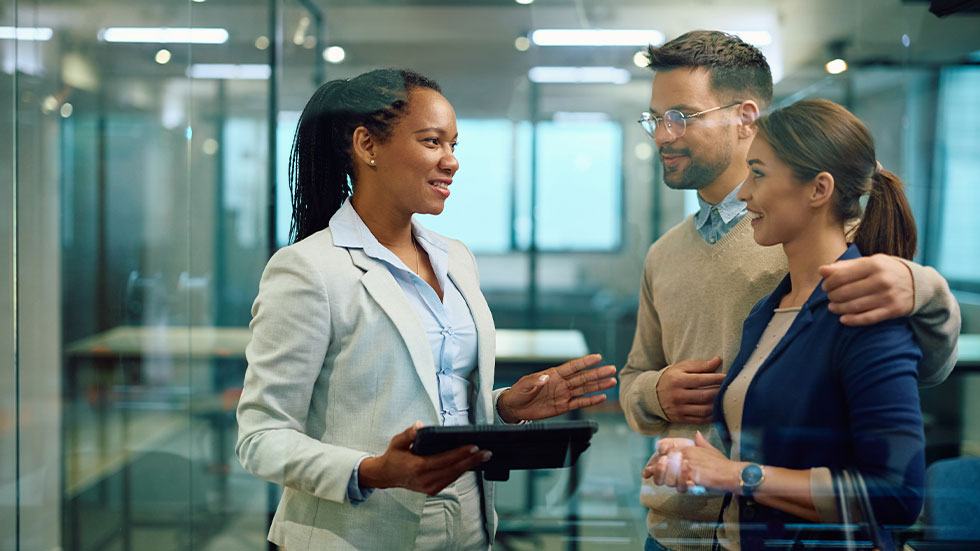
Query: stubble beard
{"points": [[698, 174]]}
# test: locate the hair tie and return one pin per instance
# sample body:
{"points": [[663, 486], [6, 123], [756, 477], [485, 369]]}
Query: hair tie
{"points": [[877, 167]]}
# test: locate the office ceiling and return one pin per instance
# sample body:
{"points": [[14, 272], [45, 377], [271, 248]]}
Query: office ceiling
{"points": [[469, 44]]}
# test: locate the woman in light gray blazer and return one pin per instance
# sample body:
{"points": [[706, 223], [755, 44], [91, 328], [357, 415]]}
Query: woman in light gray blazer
{"points": [[368, 324]]}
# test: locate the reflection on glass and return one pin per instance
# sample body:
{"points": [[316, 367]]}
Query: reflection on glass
{"points": [[146, 198]]}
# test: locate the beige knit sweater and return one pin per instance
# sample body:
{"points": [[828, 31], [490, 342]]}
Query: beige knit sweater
{"points": [[693, 300]]}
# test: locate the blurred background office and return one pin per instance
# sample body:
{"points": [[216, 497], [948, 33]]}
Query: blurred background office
{"points": [[144, 187]]}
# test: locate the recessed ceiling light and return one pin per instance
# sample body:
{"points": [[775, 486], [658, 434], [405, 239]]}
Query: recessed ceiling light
{"points": [[641, 59], [49, 104], [836, 66], [334, 54]]}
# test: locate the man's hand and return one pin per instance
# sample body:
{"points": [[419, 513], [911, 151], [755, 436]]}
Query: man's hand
{"points": [[868, 290], [400, 468], [687, 390]]}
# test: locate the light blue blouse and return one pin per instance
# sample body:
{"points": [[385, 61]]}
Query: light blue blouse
{"points": [[448, 322]]}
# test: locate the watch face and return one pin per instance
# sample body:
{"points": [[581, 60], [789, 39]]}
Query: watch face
{"points": [[751, 475]]}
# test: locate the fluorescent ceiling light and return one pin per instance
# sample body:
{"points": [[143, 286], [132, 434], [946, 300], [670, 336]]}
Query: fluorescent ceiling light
{"points": [[756, 38], [596, 37], [164, 35], [612, 75], [228, 71], [26, 33]]}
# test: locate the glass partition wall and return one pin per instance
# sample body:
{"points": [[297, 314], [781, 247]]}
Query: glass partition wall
{"points": [[144, 187]]}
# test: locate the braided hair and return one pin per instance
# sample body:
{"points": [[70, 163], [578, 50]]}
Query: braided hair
{"points": [[321, 171]]}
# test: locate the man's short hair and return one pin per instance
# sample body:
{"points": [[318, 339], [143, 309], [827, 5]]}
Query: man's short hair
{"points": [[734, 66]]}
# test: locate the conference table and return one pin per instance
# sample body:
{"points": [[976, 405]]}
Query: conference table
{"points": [[124, 356], [541, 347]]}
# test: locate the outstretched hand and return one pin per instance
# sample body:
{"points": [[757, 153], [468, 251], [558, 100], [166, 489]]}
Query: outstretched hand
{"points": [[557, 390]]}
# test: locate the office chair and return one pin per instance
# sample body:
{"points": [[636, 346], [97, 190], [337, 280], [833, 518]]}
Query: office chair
{"points": [[952, 501]]}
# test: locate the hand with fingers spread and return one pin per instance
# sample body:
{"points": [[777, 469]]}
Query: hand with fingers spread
{"points": [[398, 467], [686, 390], [557, 390], [869, 289]]}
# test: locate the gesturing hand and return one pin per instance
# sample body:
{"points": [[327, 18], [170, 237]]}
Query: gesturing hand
{"points": [[398, 467], [557, 390], [686, 390]]}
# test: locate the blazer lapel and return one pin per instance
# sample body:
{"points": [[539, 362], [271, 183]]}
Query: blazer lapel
{"points": [[466, 282], [388, 295]]}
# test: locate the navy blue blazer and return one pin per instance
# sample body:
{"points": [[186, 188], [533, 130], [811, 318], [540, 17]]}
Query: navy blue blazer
{"points": [[835, 396]]}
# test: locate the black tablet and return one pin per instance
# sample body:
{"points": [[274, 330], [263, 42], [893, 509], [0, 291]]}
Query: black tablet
{"points": [[529, 446]]}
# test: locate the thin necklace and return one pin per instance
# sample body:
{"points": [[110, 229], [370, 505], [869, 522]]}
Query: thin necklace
{"points": [[416, 247]]}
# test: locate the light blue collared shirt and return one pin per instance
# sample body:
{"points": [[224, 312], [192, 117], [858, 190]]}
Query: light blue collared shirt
{"points": [[715, 221], [448, 322]]}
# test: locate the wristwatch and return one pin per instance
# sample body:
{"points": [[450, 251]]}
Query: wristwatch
{"points": [[750, 478]]}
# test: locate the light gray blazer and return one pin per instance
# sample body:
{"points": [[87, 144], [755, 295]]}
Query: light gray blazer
{"points": [[339, 363]]}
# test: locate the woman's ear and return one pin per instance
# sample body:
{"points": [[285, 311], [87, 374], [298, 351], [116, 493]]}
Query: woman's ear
{"points": [[363, 146], [748, 113], [823, 189]]}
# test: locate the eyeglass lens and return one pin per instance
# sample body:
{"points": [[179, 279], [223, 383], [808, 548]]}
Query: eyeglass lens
{"points": [[672, 120]]}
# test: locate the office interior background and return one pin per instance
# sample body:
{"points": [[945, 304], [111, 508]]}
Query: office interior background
{"points": [[144, 187]]}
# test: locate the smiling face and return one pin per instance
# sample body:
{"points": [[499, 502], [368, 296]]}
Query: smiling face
{"points": [[708, 147], [778, 202], [415, 165]]}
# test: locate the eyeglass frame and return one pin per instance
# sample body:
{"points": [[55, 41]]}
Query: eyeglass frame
{"points": [[649, 117]]}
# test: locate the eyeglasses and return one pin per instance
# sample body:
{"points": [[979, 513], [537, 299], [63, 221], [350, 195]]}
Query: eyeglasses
{"points": [[674, 121]]}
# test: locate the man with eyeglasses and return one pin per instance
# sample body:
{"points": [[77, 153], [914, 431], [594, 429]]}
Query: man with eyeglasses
{"points": [[702, 277]]}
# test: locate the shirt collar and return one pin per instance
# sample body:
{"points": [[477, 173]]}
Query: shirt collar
{"points": [[728, 208], [350, 232]]}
